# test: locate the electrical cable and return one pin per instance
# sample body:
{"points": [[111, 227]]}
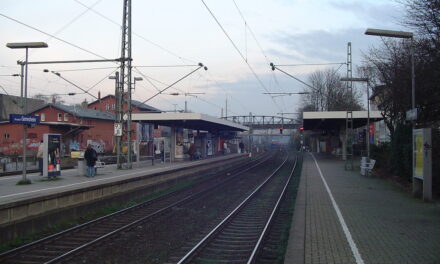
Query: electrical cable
{"points": [[85, 91], [136, 34], [312, 64], [85, 69], [169, 86], [55, 37], [100, 81], [238, 50], [164, 66]]}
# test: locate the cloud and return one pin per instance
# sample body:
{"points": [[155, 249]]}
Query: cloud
{"points": [[315, 46], [383, 14]]}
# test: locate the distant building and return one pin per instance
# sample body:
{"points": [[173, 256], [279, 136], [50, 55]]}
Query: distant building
{"points": [[78, 126]]}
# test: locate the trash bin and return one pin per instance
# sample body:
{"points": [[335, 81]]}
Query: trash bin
{"points": [[82, 167], [364, 161]]}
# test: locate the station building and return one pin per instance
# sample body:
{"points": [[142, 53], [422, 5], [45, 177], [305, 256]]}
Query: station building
{"points": [[94, 124]]}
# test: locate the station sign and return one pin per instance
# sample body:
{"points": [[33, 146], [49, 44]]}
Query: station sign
{"points": [[24, 119], [411, 114]]}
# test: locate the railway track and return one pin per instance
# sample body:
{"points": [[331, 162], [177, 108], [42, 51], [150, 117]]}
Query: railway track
{"points": [[64, 245], [238, 237]]}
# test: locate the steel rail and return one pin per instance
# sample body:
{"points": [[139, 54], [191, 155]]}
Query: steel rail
{"points": [[189, 256], [41, 241], [269, 221]]}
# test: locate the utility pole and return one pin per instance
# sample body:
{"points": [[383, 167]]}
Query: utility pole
{"points": [[125, 78], [226, 108]]}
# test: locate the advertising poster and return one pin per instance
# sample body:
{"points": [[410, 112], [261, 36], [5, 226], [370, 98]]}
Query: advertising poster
{"points": [[209, 147], [52, 155], [179, 143], [418, 153]]}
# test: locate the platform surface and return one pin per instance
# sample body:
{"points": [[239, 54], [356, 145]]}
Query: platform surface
{"points": [[343, 217], [70, 179]]}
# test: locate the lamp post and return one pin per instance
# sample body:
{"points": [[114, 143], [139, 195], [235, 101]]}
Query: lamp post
{"points": [[27, 46], [404, 35], [368, 109]]}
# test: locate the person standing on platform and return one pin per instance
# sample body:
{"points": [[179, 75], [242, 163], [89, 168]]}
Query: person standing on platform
{"points": [[241, 146], [91, 157], [162, 151], [40, 157], [192, 151], [225, 148]]}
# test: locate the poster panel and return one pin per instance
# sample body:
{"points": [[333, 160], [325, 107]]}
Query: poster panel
{"points": [[209, 147], [52, 155], [179, 143], [418, 153]]}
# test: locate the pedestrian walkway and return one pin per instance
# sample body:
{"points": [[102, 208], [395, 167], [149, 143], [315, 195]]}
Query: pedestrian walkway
{"points": [[343, 217]]}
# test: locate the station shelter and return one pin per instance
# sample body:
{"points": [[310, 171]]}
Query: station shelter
{"points": [[340, 132], [207, 133]]}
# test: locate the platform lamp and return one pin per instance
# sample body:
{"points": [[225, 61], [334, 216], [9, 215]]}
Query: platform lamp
{"points": [[27, 46], [136, 79], [404, 35], [368, 109]]}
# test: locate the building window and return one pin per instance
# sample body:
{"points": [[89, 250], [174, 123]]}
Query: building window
{"points": [[107, 107], [6, 135], [66, 117], [113, 106], [43, 117], [59, 118]]}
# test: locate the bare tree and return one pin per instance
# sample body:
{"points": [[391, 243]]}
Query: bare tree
{"points": [[327, 93]]}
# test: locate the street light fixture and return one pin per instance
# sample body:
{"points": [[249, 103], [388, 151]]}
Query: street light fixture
{"points": [[405, 35], [27, 46], [139, 79]]}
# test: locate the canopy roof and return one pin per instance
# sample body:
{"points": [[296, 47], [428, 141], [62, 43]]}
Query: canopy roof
{"points": [[334, 120], [196, 121]]}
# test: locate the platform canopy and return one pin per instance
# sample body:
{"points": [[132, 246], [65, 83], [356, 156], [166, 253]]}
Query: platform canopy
{"points": [[335, 120], [196, 121]]}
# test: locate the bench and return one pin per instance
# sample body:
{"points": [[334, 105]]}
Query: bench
{"points": [[369, 166]]}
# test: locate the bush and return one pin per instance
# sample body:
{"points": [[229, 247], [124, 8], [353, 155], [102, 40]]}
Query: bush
{"points": [[401, 152], [381, 153]]}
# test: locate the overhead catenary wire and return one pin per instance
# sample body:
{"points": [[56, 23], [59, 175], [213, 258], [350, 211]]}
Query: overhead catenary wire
{"points": [[136, 34], [311, 64], [169, 86], [238, 50], [55, 37], [75, 85], [100, 81], [247, 26], [306, 84], [165, 66], [85, 69]]}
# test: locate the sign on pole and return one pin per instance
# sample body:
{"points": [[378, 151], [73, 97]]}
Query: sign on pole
{"points": [[411, 114], [24, 119], [118, 129]]}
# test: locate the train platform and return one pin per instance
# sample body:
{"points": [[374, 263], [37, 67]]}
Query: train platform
{"points": [[71, 179], [343, 217]]}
